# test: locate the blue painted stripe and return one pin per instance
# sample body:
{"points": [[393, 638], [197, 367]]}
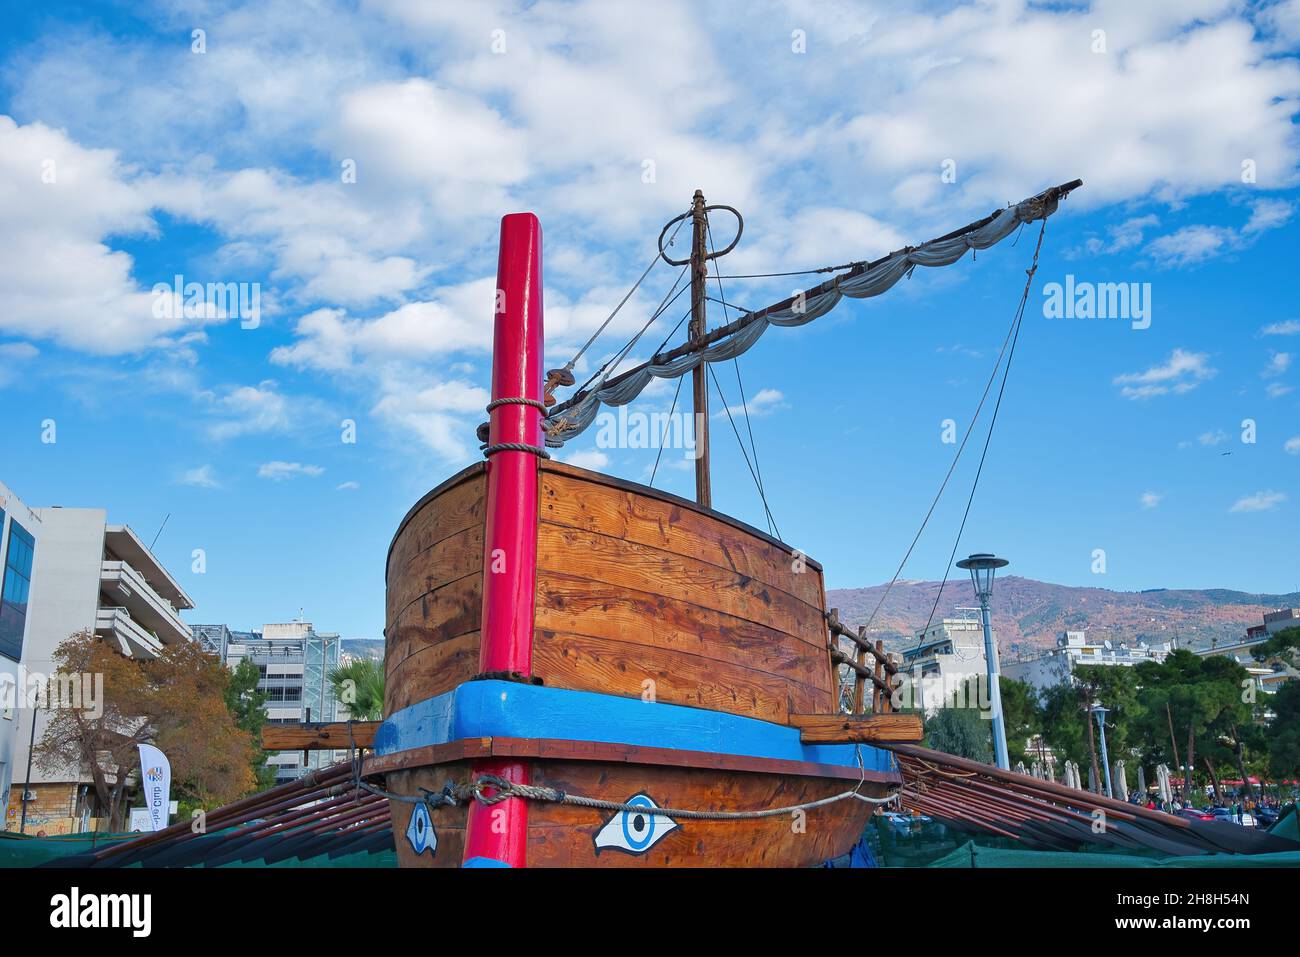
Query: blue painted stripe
{"points": [[506, 709], [483, 862]]}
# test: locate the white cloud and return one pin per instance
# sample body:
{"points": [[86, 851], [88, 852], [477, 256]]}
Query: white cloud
{"points": [[200, 477], [1197, 243], [587, 459], [59, 278], [1276, 390], [1182, 372], [436, 415], [1292, 445], [1278, 364], [11, 355], [1212, 438], [1259, 502], [763, 402], [251, 410], [1290, 327], [1151, 499], [347, 486], [1190, 245], [281, 471]]}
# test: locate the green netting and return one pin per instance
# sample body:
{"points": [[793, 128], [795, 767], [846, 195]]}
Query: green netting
{"points": [[1288, 825], [23, 850], [974, 855]]}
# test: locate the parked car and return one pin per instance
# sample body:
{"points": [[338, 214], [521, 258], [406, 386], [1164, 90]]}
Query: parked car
{"points": [[1196, 814], [900, 822], [1265, 816], [1227, 814]]}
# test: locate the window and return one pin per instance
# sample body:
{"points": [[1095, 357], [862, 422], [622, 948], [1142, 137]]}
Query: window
{"points": [[15, 589]]}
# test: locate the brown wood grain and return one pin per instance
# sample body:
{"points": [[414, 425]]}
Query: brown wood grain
{"points": [[583, 663], [431, 671], [562, 835], [585, 504], [457, 506], [453, 558], [567, 602], [448, 612], [311, 736], [857, 729], [614, 561]]}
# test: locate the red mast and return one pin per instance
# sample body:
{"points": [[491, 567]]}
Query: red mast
{"points": [[498, 834]]}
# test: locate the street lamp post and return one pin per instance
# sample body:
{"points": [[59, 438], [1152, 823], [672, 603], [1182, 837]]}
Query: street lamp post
{"points": [[982, 567], [1100, 714]]}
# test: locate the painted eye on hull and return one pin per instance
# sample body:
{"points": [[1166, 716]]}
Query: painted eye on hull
{"points": [[420, 831], [635, 831]]}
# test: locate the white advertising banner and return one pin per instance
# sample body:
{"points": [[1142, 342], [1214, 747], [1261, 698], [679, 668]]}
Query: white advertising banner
{"points": [[156, 783]]}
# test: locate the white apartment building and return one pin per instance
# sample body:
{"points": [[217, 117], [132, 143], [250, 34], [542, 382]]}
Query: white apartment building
{"points": [[1073, 649], [18, 529], [945, 655], [86, 575]]}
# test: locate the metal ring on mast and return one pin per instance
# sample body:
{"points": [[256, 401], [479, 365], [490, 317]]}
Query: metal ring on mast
{"points": [[740, 228]]}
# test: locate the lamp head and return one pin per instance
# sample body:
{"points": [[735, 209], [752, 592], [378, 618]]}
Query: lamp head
{"points": [[982, 567]]}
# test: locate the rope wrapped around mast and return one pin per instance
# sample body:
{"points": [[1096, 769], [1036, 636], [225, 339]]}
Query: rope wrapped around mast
{"points": [[572, 417]]}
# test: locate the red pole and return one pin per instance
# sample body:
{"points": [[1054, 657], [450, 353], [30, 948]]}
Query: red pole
{"points": [[498, 834]]}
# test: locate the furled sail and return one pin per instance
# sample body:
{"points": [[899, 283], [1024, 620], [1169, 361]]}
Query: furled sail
{"points": [[863, 281]]}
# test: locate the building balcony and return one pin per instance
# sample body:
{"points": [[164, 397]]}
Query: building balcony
{"points": [[145, 606], [120, 542], [118, 625]]}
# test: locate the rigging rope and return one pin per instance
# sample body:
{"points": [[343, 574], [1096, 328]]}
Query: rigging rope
{"points": [[771, 522], [572, 362], [667, 425], [757, 470], [970, 429], [993, 421]]}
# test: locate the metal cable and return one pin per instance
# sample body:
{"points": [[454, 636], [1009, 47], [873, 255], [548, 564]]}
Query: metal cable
{"points": [[993, 421]]}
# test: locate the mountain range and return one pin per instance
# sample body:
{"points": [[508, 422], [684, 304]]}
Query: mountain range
{"points": [[1030, 615]]}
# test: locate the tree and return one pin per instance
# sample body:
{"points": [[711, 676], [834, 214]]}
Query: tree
{"points": [[359, 686], [963, 731], [1021, 716], [175, 701], [248, 707], [1283, 736]]}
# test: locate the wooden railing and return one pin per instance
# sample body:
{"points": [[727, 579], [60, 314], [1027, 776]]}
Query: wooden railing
{"points": [[878, 674]]}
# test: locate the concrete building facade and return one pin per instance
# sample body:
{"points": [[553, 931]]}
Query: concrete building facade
{"points": [[944, 657], [87, 575], [19, 526], [294, 661], [1074, 649]]}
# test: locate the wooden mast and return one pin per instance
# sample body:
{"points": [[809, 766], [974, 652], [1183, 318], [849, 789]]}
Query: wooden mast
{"points": [[697, 329]]}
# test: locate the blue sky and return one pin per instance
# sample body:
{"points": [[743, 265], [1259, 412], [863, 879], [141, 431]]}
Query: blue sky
{"points": [[223, 157]]}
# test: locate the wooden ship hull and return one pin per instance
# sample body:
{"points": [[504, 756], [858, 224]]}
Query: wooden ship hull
{"points": [[671, 644]]}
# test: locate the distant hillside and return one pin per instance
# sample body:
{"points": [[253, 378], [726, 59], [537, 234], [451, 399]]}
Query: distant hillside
{"points": [[364, 648], [1029, 615]]}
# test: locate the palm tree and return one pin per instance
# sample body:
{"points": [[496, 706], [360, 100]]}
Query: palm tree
{"points": [[359, 687]]}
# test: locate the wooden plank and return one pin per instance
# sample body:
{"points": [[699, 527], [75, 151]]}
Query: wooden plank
{"points": [[564, 749], [581, 503], [570, 603], [448, 612], [562, 835], [611, 481], [317, 735], [857, 729], [451, 508], [583, 663], [431, 671], [451, 559], [630, 565]]}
